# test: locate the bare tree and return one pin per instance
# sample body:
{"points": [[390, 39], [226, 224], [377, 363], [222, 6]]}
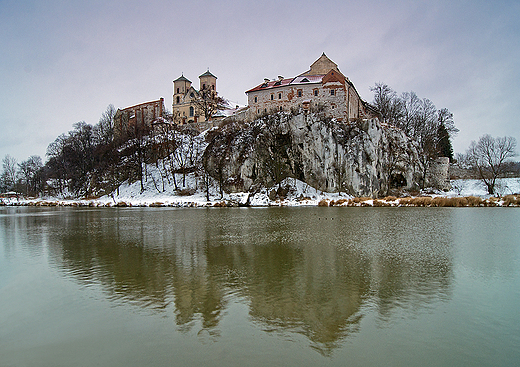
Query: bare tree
{"points": [[30, 175], [388, 103], [9, 173], [489, 156], [209, 102], [104, 130]]}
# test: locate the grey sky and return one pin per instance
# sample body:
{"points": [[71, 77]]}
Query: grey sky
{"points": [[66, 61]]}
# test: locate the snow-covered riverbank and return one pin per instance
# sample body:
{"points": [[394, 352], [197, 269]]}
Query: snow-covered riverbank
{"points": [[294, 193]]}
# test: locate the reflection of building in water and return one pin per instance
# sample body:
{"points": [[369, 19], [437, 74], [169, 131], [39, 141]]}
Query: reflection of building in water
{"points": [[313, 291], [293, 283]]}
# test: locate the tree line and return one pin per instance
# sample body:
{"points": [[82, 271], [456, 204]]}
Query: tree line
{"points": [[91, 161]]}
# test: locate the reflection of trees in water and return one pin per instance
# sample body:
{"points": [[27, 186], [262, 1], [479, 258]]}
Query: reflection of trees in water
{"points": [[298, 272]]}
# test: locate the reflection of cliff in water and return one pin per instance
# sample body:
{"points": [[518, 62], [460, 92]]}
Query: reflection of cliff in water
{"points": [[310, 271]]}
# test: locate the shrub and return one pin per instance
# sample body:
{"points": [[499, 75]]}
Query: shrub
{"points": [[390, 198], [405, 201], [323, 202], [475, 201], [422, 201], [511, 200]]}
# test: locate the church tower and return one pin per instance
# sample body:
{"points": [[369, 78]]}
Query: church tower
{"points": [[180, 87], [208, 81]]}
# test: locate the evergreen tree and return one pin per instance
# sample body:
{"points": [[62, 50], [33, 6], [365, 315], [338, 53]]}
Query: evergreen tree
{"points": [[444, 147]]}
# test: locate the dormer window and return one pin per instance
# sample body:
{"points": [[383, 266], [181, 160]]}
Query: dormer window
{"points": [[279, 82], [305, 80], [263, 85]]}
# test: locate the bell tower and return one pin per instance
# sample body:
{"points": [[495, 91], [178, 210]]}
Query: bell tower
{"points": [[180, 87], [208, 81]]}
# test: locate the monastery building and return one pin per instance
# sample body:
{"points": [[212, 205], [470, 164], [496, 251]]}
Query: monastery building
{"points": [[322, 86]]}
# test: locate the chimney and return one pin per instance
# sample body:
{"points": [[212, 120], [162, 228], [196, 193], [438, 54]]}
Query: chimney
{"points": [[266, 80], [280, 78]]}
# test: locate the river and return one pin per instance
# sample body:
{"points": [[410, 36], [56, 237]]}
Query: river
{"points": [[259, 286]]}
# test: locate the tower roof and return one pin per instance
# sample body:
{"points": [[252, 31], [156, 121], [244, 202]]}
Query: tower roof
{"points": [[181, 79], [207, 73]]}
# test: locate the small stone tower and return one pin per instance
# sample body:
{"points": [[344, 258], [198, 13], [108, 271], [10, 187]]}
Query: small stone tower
{"points": [[208, 81]]}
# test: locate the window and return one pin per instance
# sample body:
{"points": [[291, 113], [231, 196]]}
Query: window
{"points": [[281, 109], [315, 92], [178, 90], [332, 92], [178, 99], [203, 86], [272, 97], [300, 92], [192, 111], [279, 95], [192, 95], [256, 99]]}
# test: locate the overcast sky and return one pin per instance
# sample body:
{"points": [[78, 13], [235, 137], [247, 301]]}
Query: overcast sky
{"points": [[65, 61]]}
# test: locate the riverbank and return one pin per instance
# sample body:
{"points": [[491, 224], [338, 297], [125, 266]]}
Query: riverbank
{"points": [[464, 193]]}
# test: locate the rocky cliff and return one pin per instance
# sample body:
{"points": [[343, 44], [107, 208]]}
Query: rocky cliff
{"points": [[361, 158]]}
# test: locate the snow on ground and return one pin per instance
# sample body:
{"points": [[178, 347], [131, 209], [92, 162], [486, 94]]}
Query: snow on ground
{"points": [[159, 192], [504, 186]]}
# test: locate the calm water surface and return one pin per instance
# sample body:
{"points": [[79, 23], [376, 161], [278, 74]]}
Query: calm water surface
{"points": [[258, 287]]}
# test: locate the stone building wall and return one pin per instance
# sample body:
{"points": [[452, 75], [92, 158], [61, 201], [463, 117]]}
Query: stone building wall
{"points": [[143, 115]]}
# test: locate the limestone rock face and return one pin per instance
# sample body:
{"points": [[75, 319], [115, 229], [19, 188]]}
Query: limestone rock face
{"points": [[362, 158]]}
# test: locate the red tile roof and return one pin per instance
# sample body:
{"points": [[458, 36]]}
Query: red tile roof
{"points": [[310, 79]]}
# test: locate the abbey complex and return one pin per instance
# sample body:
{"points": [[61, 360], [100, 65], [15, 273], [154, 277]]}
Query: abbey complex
{"points": [[314, 127], [322, 87]]}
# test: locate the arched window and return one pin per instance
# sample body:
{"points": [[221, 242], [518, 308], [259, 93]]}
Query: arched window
{"points": [[192, 111], [178, 99]]}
